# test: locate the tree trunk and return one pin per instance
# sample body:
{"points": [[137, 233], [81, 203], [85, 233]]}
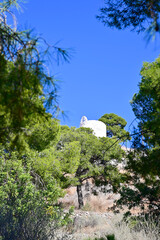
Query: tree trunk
{"points": [[80, 196]]}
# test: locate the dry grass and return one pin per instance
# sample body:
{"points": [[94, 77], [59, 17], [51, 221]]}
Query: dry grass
{"points": [[90, 221], [96, 226], [144, 230], [100, 203], [97, 203]]}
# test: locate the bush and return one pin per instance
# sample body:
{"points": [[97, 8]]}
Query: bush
{"points": [[27, 213], [110, 237]]}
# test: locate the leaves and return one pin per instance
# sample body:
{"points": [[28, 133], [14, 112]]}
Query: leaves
{"points": [[138, 15], [30, 174], [143, 164], [115, 126]]}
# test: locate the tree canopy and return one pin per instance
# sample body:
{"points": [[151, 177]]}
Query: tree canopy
{"points": [[29, 189], [146, 107], [89, 162], [28, 91], [138, 15], [115, 126], [144, 159]]}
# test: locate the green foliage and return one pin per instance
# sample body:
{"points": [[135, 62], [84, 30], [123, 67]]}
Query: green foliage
{"points": [[144, 159], [85, 141], [29, 185], [20, 103], [110, 237], [48, 168], [44, 134], [115, 126], [138, 15], [69, 157], [22, 108], [26, 212], [146, 107], [27, 89], [145, 104], [85, 156]]}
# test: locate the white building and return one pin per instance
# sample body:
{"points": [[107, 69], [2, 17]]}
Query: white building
{"points": [[98, 127]]}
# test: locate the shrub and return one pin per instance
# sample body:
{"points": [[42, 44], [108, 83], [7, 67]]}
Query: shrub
{"points": [[27, 213], [110, 237]]}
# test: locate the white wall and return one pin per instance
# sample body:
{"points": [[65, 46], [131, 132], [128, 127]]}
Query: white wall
{"points": [[98, 127]]}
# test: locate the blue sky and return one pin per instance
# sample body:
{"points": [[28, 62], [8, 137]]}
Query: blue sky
{"points": [[104, 71]]}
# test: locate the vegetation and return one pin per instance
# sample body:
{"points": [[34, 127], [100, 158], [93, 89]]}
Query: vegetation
{"points": [[115, 126], [39, 158], [142, 186], [116, 228], [144, 230], [28, 196], [90, 162], [144, 161], [140, 15], [26, 210]]}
